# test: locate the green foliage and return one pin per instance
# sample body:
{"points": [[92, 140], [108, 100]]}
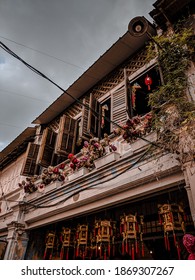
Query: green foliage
{"points": [[174, 52]]}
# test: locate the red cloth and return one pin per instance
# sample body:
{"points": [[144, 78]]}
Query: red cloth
{"points": [[189, 243]]}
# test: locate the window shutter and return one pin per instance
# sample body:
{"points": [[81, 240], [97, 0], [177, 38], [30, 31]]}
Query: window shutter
{"points": [[119, 107], [84, 133], [93, 118], [29, 167], [67, 135], [47, 147]]}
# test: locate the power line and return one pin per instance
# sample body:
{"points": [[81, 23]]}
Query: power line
{"points": [[5, 48], [43, 53], [18, 94], [8, 50], [81, 189], [6, 124]]}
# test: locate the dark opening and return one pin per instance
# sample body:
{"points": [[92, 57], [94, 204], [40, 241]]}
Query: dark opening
{"points": [[105, 124], [79, 139], [141, 91], [3, 246]]}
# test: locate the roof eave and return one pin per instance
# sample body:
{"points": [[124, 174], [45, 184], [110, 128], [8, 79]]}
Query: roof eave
{"points": [[113, 57]]}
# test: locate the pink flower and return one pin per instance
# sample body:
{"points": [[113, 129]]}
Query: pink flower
{"points": [[84, 158], [129, 123], [86, 144], [72, 166], [62, 165], [125, 126], [136, 120], [74, 160], [96, 145], [56, 170], [70, 156]]}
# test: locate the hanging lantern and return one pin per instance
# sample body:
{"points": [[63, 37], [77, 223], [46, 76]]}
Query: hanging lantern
{"points": [[104, 237], [131, 232], [148, 81], [50, 242], [67, 239], [82, 241], [172, 219]]}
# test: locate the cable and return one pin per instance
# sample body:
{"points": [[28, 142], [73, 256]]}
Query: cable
{"points": [[44, 53], [18, 94], [5, 48], [91, 186], [81, 189], [4, 124]]}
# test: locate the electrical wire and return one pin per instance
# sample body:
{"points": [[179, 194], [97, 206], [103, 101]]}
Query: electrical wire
{"points": [[5, 48], [96, 114], [6, 124], [36, 71], [81, 189], [18, 94], [44, 53]]}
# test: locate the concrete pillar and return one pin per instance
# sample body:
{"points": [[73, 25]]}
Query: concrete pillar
{"points": [[191, 203], [189, 174], [17, 242]]}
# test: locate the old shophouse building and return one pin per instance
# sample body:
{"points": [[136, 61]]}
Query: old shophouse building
{"points": [[67, 191]]}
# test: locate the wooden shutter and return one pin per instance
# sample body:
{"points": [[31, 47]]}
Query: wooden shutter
{"points": [[94, 118], [119, 107], [29, 167], [84, 132], [67, 135], [47, 147]]}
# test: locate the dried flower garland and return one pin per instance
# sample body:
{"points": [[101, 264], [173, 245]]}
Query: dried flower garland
{"points": [[135, 128]]}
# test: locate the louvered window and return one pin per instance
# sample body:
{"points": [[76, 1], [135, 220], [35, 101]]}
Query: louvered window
{"points": [[84, 133], [119, 107], [94, 117], [66, 135], [29, 167], [47, 146]]}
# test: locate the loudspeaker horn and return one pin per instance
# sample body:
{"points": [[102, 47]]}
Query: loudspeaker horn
{"points": [[138, 26]]}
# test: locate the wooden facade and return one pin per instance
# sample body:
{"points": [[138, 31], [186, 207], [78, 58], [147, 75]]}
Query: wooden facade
{"points": [[134, 185]]}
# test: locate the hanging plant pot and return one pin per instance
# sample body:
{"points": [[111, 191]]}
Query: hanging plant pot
{"points": [[108, 158], [81, 172]]}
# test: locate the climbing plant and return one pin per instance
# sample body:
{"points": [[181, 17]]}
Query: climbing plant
{"points": [[174, 113]]}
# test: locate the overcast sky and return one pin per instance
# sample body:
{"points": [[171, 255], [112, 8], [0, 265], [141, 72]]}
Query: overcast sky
{"points": [[61, 38]]}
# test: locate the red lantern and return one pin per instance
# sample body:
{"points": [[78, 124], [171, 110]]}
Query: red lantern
{"points": [[148, 81]]}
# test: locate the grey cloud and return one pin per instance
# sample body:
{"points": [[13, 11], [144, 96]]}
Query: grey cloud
{"points": [[75, 31]]}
